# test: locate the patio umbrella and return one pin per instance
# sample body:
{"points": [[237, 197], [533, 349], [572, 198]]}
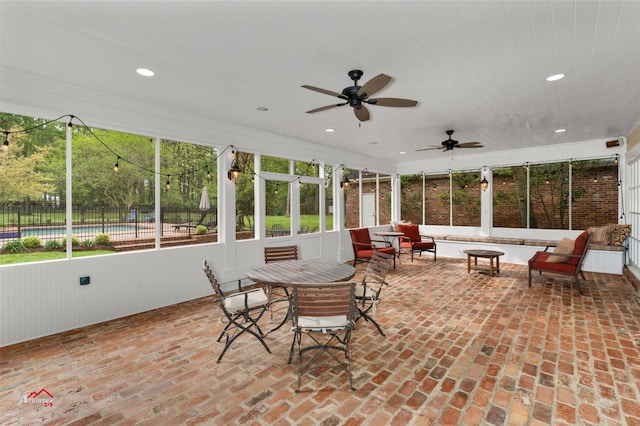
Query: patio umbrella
{"points": [[204, 200]]}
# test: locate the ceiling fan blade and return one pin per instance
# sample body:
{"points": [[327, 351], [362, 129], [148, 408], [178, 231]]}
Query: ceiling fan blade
{"points": [[392, 102], [325, 91], [469, 145], [430, 148], [325, 108], [374, 85], [361, 112]]}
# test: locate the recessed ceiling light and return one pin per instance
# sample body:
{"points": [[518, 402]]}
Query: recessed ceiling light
{"points": [[560, 130], [373, 143], [145, 72], [261, 108], [329, 130], [403, 152], [555, 77]]}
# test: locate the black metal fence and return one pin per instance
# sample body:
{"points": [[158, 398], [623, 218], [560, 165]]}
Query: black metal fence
{"points": [[49, 223]]}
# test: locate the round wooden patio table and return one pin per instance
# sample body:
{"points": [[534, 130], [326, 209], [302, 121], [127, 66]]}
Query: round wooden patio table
{"points": [[487, 254], [283, 274], [288, 272]]}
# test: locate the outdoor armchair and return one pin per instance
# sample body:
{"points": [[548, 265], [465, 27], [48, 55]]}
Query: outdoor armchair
{"points": [[565, 262], [363, 247], [414, 242]]}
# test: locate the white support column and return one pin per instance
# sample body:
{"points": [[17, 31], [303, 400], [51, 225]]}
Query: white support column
{"points": [[157, 182], [396, 208], [226, 200], [69, 193], [486, 202], [258, 190], [322, 199], [338, 199]]}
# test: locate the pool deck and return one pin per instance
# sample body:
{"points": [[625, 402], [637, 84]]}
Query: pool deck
{"points": [[141, 231]]}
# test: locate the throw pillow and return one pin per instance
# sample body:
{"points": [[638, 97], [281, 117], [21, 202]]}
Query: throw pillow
{"points": [[600, 234], [618, 234], [562, 251]]}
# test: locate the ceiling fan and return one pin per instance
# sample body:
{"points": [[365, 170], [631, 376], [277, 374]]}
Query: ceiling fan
{"points": [[449, 144], [356, 96]]}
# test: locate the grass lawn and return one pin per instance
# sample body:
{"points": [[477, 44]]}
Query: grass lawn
{"points": [[309, 221], [11, 258]]}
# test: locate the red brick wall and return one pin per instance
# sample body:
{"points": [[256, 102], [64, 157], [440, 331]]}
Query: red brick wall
{"points": [[595, 203]]}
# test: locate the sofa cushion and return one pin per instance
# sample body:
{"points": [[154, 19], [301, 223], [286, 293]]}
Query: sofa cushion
{"points": [[600, 234], [618, 234], [562, 251], [541, 243]]}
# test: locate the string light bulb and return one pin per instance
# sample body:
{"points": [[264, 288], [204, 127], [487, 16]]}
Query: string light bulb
{"points": [[116, 166], [168, 184], [5, 144], [70, 123]]}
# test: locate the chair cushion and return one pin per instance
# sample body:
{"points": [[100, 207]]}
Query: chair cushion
{"points": [[235, 302], [423, 245], [361, 235], [539, 261], [364, 253], [405, 244], [562, 251], [579, 248], [388, 250], [410, 230], [334, 322], [361, 294]]}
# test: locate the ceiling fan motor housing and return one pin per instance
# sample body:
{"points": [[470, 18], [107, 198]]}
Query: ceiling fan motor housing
{"points": [[351, 93]]}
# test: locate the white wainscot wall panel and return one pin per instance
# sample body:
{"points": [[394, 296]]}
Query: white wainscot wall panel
{"points": [[39, 299]]}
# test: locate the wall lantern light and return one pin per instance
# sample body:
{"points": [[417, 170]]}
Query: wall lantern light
{"points": [[234, 172]]}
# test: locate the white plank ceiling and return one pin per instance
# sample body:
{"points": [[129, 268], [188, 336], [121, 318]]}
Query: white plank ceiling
{"points": [[478, 67]]}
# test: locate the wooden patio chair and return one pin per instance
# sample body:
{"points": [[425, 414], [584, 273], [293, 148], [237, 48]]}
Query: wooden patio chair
{"points": [[563, 262], [323, 319], [242, 309], [369, 289], [278, 294], [278, 253]]}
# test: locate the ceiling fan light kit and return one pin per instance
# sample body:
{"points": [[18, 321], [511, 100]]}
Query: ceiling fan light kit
{"points": [[356, 96]]}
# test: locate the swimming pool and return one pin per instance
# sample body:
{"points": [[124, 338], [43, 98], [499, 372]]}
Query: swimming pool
{"points": [[77, 230]]}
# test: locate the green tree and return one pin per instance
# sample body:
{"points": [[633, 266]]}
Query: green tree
{"points": [[19, 175], [191, 167], [94, 155], [35, 132]]}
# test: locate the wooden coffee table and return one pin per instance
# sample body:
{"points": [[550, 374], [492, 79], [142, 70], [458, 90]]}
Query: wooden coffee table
{"points": [[486, 254]]}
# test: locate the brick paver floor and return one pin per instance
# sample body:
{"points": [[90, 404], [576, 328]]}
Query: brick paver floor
{"points": [[460, 348]]}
